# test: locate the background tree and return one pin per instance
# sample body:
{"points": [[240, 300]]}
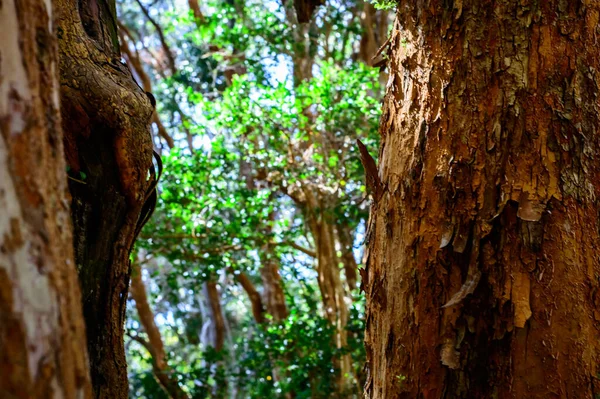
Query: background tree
{"points": [[42, 339], [482, 275]]}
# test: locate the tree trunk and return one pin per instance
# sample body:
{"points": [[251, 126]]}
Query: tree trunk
{"points": [[273, 294], [108, 147], [489, 174], [344, 238], [330, 283], [154, 345], [42, 335], [214, 328]]}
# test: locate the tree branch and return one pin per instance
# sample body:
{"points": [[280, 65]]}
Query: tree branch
{"points": [[300, 248], [154, 345], [161, 36], [136, 64], [258, 309]]}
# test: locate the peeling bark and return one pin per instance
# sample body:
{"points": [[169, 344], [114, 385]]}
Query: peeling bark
{"points": [[482, 267], [42, 334], [108, 146]]}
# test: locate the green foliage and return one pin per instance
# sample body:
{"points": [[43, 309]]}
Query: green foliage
{"points": [[384, 4], [252, 142], [297, 351]]}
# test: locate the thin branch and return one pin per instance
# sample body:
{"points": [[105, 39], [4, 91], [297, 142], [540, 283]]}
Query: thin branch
{"points": [[258, 309], [300, 248], [154, 345], [195, 7], [135, 62], [161, 36]]}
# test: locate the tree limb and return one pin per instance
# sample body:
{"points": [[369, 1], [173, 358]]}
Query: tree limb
{"points": [[154, 345], [161, 36]]}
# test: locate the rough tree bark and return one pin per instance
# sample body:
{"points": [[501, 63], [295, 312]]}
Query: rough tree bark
{"points": [[106, 118], [42, 334], [489, 183]]}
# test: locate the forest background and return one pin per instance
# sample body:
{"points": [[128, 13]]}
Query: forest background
{"points": [[246, 280]]}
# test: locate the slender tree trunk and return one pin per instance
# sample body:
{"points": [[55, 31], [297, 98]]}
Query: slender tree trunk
{"points": [[345, 238], [258, 309], [482, 264], [108, 147], [154, 345], [195, 7], [273, 294], [368, 41], [332, 290], [134, 61], [42, 334], [215, 333]]}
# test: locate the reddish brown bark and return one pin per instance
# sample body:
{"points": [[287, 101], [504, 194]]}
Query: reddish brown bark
{"points": [[216, 336], [108, 147], [42, 333], [273, 294], [258, 310], [344, 238], [154, 345], [490, 176], [195, 7]]}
